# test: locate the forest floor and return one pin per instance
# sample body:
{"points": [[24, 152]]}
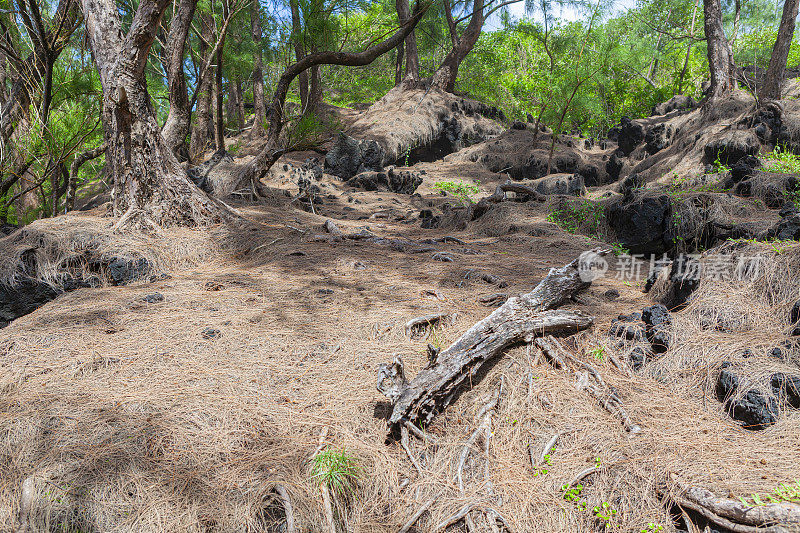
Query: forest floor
{"points": [[179, 403]]}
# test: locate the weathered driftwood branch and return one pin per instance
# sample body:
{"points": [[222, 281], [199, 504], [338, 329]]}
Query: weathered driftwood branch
{"points": [[736, 515], [589, 379], [520, 319]]}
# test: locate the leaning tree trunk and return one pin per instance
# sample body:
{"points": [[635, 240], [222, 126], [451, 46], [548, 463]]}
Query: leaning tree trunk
{"points": [[251, 174], [445, 76], [412, 55], [150, 186], [780, 53], [176, 127], [720, 57], [259, 104]]}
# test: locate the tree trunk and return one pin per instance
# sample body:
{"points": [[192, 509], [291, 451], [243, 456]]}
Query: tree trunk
{"points": [[259, 104], [412, 56], [150, 187], [445, 76], [720, 58], [315, 90], [176, 127], [299, 52], [219, 119], [203, 129], [235, 104], [780, 53], [398, 65]]}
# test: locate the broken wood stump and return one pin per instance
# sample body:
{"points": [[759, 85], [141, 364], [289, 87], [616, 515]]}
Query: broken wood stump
{"points": [[519, 319]]}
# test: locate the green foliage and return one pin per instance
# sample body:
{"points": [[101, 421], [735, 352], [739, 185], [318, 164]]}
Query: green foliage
{"points": [[782, 161], [578, 215], [619, 249], [573, 495], [652, 527], [782, 494], [598, 353], [337, 470], [604, 512], [460, 190], [719, 166]]}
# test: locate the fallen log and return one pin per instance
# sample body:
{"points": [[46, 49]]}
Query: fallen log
{"points": [[520, 319]]}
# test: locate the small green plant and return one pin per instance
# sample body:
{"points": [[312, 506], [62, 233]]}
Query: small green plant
{"points": [[793, 196], [719, 166], [573, 495], [235, 148], [604, 512], [337, 470], [599, 354], [782, 160], [597, 462], [651, 528], [462, 191], [548, 461], [783, 493], [619, 249]]}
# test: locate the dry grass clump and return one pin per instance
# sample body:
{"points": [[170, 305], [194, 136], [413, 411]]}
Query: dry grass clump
{"points": [[406, 119], [738, 318], [81, 246]]}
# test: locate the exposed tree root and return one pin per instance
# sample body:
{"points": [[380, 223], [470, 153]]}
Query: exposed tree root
{"points": [[413, 520], [736, 515], [421, 323], [589, 380], [283, 494]]}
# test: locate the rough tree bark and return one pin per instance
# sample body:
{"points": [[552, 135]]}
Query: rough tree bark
{"points": [[412, 55], [773, 81], [203, 129], [398, 64], [720, 57], [150, 187], [176, 127], [519, 319], [259, 104], [261, 163]]}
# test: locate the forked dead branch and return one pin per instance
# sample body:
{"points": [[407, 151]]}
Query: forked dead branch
{"points": [[520, 319]]}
